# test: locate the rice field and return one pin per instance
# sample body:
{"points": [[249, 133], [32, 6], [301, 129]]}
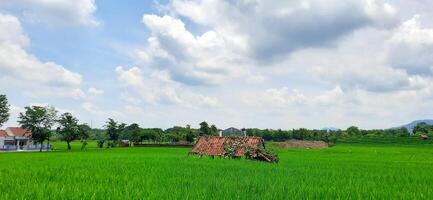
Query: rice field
{"points": [[345, 171]]}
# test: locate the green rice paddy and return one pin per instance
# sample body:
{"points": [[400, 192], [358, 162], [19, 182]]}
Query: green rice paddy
{"points": [[345, 171]]}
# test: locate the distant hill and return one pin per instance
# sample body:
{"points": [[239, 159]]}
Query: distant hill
{"points": [[412, 125]]}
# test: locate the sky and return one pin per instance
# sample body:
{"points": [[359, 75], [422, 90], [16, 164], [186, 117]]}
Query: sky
{"points": [[245, 63]]}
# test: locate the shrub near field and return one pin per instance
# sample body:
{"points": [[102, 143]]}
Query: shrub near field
{"points": [[346, 172]]}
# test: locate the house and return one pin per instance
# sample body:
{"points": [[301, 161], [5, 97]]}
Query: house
{"points": [[232, 132], [217, 146], [234, 147], [15, 138], [6, 139], [22, 136]]}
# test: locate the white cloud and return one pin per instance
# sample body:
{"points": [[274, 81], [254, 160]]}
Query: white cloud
{"points": [[277, 98], [158, 88], [189, 59], [208, 101], [267, 64], [266, 29], [412, 48], [94, 92], [19, 69], [11, 31], [55, 12], [306, 62], [411, 33], [241, 35]]}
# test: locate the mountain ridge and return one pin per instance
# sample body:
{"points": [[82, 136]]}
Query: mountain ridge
{"points": [[410, 126]]}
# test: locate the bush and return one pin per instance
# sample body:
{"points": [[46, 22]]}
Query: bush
{"points": [[101, 143], [261, 154]]}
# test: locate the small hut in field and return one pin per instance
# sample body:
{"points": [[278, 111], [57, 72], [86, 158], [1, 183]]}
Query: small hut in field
{"points": [[423, 137], [235, 147]]}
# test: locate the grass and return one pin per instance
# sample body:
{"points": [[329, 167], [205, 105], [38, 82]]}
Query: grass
{"points": [[380, 140], [346, 171]]}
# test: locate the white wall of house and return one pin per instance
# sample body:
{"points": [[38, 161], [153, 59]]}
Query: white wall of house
{"points": [[2, 141], [9, 132]]}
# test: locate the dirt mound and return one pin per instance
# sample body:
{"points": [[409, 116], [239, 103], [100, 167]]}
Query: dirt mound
{"points": [[302, 144]]}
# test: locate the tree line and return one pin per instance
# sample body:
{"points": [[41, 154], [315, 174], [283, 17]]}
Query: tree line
{"points": [[46, 124]]}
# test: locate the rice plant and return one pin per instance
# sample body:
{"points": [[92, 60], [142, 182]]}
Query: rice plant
{"points": [[346, 171]]}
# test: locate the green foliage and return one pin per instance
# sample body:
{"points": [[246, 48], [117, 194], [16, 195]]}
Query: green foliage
{"points": [[204, 129], [84, 131], [190, 136], [353, 130], [4, 110], [101, 143], [39, 121], [268, 154], [132, 133], [213, 130], [153, 134], [324, 135], [113, 130], [83, 144], [229, 151], [99, 136], [423, 128], [261, 154], [346, 171], [68, 128]]}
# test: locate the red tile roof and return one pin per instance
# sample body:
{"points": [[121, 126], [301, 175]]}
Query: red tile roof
{"points": [[20, 132], [3, 133], [214, 146], [209, 146]]}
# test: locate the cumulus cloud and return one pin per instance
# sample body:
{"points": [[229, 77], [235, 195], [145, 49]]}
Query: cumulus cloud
{"points": [[260, 63], [412, 48], [341, 54], [55, 12], [190, 59], [20, 69], [278, 98], [158, 88], [377, 61], [266, 29], [241, 35]]}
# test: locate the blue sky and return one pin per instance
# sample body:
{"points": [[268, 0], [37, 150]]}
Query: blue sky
{"points": [[266, 64]]}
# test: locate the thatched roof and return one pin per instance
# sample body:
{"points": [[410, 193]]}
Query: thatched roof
{"points": [[215, 146]]}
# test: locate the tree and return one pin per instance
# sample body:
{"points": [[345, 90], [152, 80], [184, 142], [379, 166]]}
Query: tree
{"points": [[190, 135], [39, 121], [422, 128], [100, 136], [213, 130], [121, 127], [84, 131], [114, 130], [353, 131], [132, 133], [204, 128], [68, 128], [4, 110], [402, 132]]}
